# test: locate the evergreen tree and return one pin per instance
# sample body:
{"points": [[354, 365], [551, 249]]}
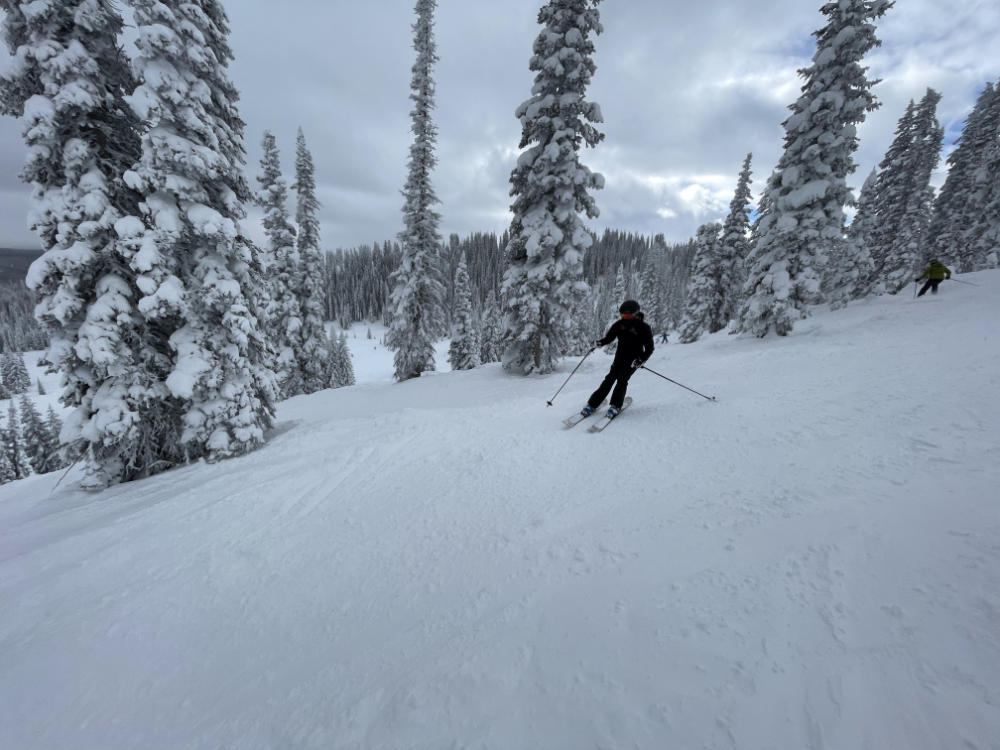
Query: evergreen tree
{"points": [[858, 278], [903, 194], [734, 247], [19, 331], [651, 290], [981, 238], [10, 376], [40, 446], [17, 380], [490, 345], [68, 84], [891, 191], [463, 352], [417, 291], [619, 295], [54, 427], [284, 314], [202, 285], [904, 257], [580, 335], [679, 264], [544, 280], [7, 472], [4, 393], [40, 387], [705, 289], [340, 372], [956, 205], [14, 445], [312, 350], [804, 224]]}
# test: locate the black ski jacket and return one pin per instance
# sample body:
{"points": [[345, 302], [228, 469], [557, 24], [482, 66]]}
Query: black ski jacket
{"points": [[635, 341]]}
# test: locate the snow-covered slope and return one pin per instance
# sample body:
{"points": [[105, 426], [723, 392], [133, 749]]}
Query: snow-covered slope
{"points": [[811, 562]]}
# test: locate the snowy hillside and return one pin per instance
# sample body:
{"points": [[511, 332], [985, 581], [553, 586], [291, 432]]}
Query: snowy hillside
{"points": [[811, 562]]}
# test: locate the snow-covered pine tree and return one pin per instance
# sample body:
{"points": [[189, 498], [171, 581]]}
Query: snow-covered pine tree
{"points": [[548, 239], [904, 256], [981, 245], [340, 371], [705, 291], [903, 194], [54, 426], [490, 346], [417, 292], [652, 291], [313, 347], [804, 224], [463, 352], [40, 446], [201, 281], [857, 277], [734, 247], [892, 190], [284, 313], [67, 84], [7, 371], [16, 376], [580, 334], [19, 330], [619, 295], [955, 204], [4, 393], [13, 444], [679, 263], [7, 473]]}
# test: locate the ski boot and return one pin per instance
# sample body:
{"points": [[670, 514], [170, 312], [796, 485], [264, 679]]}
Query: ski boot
{"points": [[612, 412], [587, 410]]}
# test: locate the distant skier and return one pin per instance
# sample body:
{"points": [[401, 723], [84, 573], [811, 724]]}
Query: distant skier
{"points": [[663, 338], [635, 345], [935, 273]]}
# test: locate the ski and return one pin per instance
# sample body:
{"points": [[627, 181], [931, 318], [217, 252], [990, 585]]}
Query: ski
{"points": [[606, 420], [574, 420]]}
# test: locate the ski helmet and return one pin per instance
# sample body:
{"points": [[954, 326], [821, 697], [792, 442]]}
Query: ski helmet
{"points": [[629, 307]]}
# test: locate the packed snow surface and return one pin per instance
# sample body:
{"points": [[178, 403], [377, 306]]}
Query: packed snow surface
{"points": [[811, 562]]}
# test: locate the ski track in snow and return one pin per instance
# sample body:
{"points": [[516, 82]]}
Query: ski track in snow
{"points": [[812, 562]]}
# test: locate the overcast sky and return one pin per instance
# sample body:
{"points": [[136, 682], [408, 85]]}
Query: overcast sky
{"points": [[686, 89]]}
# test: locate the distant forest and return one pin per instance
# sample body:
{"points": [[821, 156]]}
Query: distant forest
{"points": [[14, 263], [356, 281]]}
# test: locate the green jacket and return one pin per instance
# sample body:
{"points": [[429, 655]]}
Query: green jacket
{"points": [[935, 271]]}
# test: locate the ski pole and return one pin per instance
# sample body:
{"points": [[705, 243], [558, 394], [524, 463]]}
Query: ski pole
{"points": [[964, 282], [709, 398], [549, 402]]}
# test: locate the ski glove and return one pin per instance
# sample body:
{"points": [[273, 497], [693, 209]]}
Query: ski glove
{"points": [[637, 364]]}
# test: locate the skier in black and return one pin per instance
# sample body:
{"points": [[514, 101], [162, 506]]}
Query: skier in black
{"points": [[635, 345]]}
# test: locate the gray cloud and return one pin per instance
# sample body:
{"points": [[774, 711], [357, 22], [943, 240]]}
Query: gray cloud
{"points": [[686, 89]]}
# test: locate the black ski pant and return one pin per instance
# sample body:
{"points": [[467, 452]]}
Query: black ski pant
{"points": [[931, 284], [617, 377]]}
